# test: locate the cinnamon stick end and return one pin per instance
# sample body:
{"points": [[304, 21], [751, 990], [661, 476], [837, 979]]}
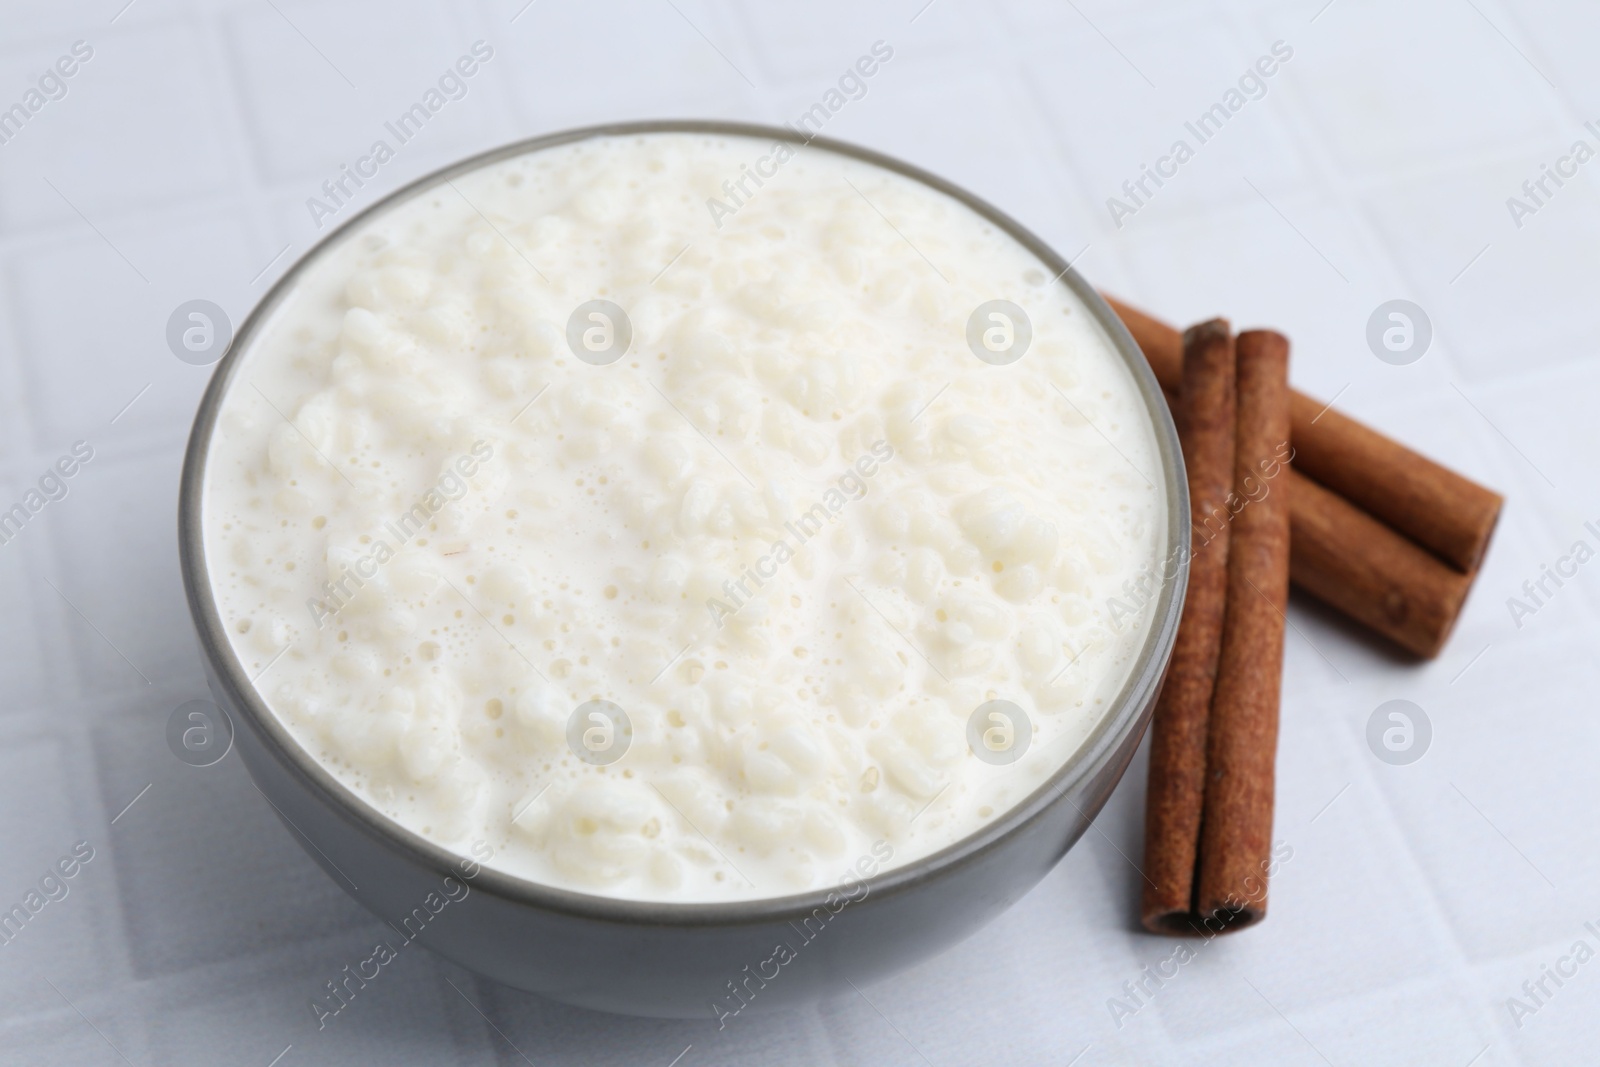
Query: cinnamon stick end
{"points": [[1232, 920], [1172, 923], [1185, 923], [1202, 332]]}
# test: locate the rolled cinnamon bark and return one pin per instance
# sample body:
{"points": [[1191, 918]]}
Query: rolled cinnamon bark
{"points": [[1435, 507], [1355, 563], [1443, 512], [1242, 735], [1205, 417]]}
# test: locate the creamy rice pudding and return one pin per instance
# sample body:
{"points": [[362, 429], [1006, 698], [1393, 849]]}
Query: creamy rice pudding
{"points": [[675, 514]]}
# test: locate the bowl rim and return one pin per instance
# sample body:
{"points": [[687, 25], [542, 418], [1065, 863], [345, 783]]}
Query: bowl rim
{"points": [[1109, 736]]}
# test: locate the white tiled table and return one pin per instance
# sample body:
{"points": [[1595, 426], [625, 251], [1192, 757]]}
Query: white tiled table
{"points": [[1377, 165]]}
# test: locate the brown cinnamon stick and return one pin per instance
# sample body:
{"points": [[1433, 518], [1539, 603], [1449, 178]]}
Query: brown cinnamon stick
{"points": [[1355, 563], [1435, 507], [1242, 735], [1205, 416], [1443, 512]]}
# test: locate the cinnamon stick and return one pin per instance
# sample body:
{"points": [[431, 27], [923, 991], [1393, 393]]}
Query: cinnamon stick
{"points": [[1435, 507], [1443, 512], [1205, 416], [1242, 735], [1355, 563]]}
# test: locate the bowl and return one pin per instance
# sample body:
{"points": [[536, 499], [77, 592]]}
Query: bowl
{"points": [[717, 960]]}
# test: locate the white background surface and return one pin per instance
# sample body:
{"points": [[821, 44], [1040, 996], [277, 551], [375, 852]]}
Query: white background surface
{"points": [[1418, 899]]}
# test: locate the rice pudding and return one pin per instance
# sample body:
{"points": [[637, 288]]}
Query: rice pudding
{"points": [[684, 516]]}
